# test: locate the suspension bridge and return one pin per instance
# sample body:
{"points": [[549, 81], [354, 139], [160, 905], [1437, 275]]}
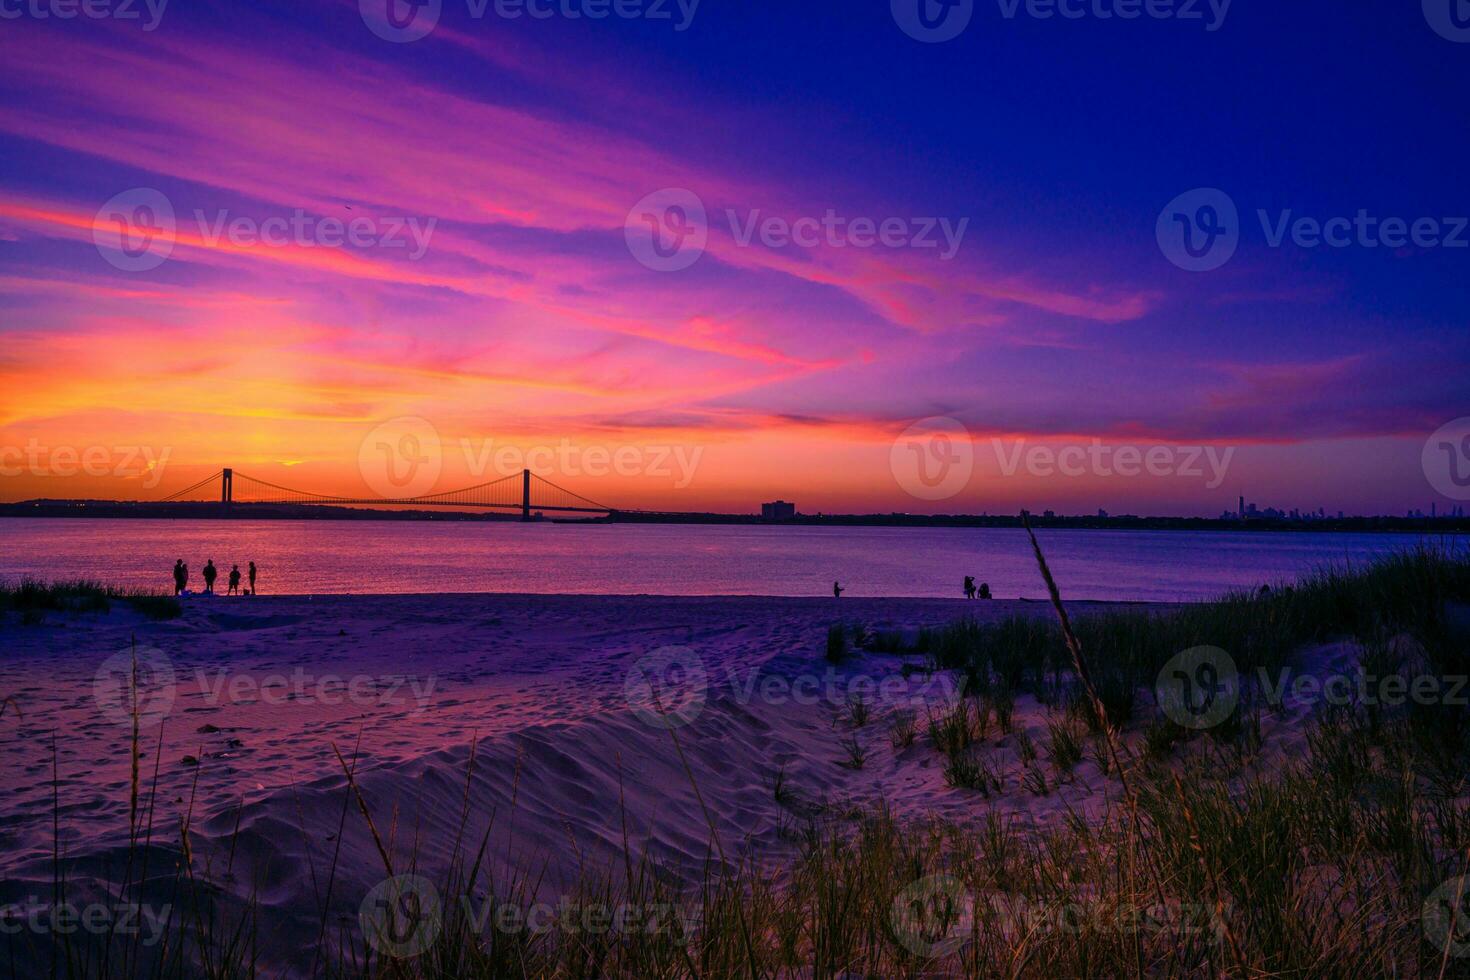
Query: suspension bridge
{"points": [[524, 491]]}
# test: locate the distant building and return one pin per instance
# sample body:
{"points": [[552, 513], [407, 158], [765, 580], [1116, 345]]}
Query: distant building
{"points": [[778, 510]]}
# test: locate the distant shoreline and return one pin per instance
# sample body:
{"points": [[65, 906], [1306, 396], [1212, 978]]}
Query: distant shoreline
{"points": [[68, 509]]}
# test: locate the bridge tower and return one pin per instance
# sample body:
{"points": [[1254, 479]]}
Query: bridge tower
{"points": [[227, 487], [525, 495]]}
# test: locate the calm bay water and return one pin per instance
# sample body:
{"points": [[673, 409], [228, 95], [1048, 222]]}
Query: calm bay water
{"points": [[414, 556]]}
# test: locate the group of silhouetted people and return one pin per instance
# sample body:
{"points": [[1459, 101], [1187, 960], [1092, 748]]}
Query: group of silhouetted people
{"points": [[971, 591], [181, 578]]}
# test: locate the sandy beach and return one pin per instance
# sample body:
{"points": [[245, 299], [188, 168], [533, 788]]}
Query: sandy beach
{"points": [[244, 702], [365, 785]]}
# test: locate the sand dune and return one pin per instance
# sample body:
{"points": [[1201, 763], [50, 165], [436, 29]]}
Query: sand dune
{"points": [[244, 700]]}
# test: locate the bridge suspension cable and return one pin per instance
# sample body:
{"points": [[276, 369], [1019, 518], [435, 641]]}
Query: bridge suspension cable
{"points": [[569, 495], [524, 491], [179, 495]]}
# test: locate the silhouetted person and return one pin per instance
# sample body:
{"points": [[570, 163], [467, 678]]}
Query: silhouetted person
{"points": [[969, 586], [234, 581], [181, 576], [985, 590], [252, 578], [837, 590], [210, 574]]}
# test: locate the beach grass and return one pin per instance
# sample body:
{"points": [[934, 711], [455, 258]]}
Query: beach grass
{"points": [[1318, 866], [1213, 858], [33, 599], [1407, 592]]}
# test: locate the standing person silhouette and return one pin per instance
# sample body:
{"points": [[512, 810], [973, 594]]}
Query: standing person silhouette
{"points": [[969, 586], [234, 581], [837, 590], [181, 576], [210, 574], [252, 578]]}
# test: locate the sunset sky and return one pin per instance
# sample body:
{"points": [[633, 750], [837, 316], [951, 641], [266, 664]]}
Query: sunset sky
{"points": [[518, 147]]}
